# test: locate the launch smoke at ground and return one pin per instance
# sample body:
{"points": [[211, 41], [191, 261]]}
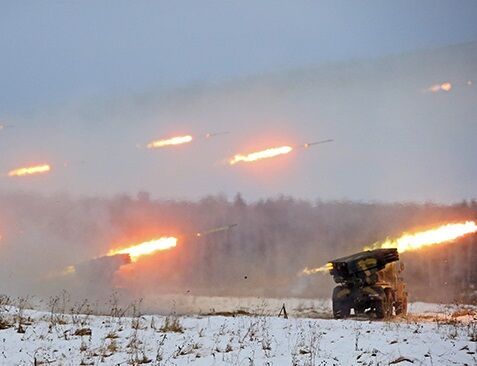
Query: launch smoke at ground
{"points": [[273, 241]]}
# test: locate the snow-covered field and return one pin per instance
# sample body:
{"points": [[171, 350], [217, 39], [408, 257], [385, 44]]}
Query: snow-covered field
{"points": [[431, 335]]}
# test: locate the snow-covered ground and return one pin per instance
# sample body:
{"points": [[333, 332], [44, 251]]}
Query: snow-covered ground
{"points": [[431, 335]]}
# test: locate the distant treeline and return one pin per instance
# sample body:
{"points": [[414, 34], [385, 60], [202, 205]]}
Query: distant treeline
{"points": [[262, 256]]}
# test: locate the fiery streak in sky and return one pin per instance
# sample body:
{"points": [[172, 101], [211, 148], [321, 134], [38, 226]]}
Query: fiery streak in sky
{"points": [[442, 234], [177, 140], [447, 87], [37, 169], [145, 248], [264, 154]]}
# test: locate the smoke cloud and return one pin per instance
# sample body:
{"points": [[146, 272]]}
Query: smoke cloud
{"points": [[262, 256], [394, 142]]}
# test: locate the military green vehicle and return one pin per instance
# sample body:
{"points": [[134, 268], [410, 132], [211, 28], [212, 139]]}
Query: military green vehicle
{"points": [[369, 282]]}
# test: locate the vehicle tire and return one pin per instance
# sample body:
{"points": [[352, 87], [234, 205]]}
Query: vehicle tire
{"points": [[380, 309], [341, 306], [360, 310], [341, 310]]}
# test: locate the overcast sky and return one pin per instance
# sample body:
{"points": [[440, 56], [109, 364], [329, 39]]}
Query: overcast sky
{"points": [[71, 73], [52, 51]]}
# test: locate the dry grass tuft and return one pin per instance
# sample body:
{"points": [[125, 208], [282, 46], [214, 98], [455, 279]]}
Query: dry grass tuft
{"points": [[83, 332], [463, 311], [172, 324]]}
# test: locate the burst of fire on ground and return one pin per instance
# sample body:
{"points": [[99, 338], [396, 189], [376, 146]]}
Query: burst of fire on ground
{"points": [[271, 152]]}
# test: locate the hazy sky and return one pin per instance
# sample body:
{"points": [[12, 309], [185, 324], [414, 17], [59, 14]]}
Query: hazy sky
{"points": [[52, 51], [80, 81]]}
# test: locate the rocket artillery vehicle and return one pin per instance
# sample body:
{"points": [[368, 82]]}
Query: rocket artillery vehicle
{"points": [[369, 282]]}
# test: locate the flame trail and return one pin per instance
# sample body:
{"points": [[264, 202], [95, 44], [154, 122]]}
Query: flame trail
{"points": [[145, 248], [3, 126], [447, 87], [264, 154], [408, 242], [439, 235], [324, 268], [177, 140], [29, 170]]}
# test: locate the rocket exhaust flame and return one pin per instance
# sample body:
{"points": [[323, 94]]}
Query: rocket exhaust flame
{"points": [[442, 234], [264, 154], [408, 242], [177, 140], [273, 152], [37, 169], [447, 87], [145, 248], [134, 252], [327, 267]]}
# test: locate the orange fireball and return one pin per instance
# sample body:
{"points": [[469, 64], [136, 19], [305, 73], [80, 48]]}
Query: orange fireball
{"points": [[146, 248], [37, 169]]}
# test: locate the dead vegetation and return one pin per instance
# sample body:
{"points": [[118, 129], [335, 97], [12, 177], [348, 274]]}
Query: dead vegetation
{"points": [[464, 311], [83, 332], [127, 339], [171, 324]]}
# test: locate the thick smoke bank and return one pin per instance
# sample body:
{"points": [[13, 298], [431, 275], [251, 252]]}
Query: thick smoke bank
{"points": [[274, 240]]}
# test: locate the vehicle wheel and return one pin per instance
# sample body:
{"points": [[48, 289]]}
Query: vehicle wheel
{"points": [[360, 310], [341, 310], [341, 306], [380, 309]]}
